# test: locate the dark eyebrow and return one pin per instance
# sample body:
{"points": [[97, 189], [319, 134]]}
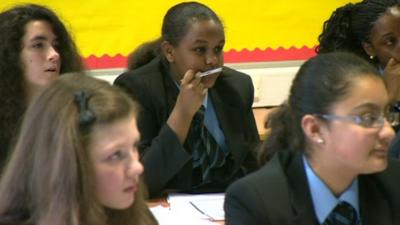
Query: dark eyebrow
{"points": [[387, 35], [368, 105], [199, 41], [39, 38]]}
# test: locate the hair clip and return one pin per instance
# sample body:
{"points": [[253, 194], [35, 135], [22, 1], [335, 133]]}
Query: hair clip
{"points": [[86, 116]]}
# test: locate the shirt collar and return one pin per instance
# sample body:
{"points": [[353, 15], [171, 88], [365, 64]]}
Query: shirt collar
{"points": [[324, 201]]}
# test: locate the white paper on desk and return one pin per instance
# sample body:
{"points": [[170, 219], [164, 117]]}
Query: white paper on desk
{"points": [[208, 206], [166, 216], [213, 208]]}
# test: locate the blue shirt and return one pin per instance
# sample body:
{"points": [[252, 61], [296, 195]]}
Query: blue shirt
{"points": [[212, 124], [324, 201]]}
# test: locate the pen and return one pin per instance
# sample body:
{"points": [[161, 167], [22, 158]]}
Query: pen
{"points": [[201, 211], [198, 208], [208, 72]]}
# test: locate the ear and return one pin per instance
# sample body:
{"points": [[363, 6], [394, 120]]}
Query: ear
{"points": [[168, 51], [369, 49], [312, 128]]}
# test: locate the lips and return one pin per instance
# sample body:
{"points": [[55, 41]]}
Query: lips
{"points": [[380, 152], [130, 189], [53, 69]]}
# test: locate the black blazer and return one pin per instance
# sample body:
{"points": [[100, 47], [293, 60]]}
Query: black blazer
{"points": [[278, 193], [168, 163], [394, 149]]}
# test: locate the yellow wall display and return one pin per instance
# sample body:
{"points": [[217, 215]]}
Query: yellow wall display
{"points": [[115, 28]]}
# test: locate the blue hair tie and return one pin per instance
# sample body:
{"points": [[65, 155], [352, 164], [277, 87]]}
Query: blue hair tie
{"points": [[86, 116]]}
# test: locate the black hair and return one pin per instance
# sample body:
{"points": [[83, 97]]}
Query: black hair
{"points": [[320, 82], [144, 54], [176, 24], [12, 91], [350, 25]]}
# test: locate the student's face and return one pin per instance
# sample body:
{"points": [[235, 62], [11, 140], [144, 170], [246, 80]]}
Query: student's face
{"points": [[352, 148], [201, 49], [115, 157], [39, 57], [385, 37]]}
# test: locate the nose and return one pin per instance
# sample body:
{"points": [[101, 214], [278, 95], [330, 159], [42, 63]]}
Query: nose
{"points": [[135, 167], [387, 133], [211, 59], [396, 52], [53, 54]]}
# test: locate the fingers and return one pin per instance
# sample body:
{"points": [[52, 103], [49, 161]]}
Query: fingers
{"points": [[392, 62], [191, 77], [192, 80]]}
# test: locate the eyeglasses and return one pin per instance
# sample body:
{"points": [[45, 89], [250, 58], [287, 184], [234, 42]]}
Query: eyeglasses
{"points": [[367, 121]]}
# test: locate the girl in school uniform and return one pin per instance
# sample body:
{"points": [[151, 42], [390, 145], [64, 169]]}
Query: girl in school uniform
{"points": [[326, 158], [76, 160], [198, 133]]}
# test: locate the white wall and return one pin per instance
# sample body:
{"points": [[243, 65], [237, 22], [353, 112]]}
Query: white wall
{"points": [[271, 80]]}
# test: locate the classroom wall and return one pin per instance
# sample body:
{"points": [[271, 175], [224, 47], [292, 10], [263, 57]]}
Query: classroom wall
{"points": [[271, 80], [106, 31], [265, 39]]}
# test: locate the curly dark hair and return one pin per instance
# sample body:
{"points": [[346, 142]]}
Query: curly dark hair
{"points": [[350, 25], [12, 93]]}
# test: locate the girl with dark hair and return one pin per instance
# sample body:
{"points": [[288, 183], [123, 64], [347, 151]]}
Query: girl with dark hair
{"points": [[76, 160], [327, 154], [370, 29], [197, 132], [35, 48]]}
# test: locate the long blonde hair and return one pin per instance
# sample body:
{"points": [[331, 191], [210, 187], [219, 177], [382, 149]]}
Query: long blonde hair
{"points": [[49, 178]]}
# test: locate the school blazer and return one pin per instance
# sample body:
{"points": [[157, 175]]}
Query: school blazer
{"points": [[278, 194], [168, 163]]}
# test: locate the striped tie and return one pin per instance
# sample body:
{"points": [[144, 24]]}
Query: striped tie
{"points": [[342, 214], [206, 152]]}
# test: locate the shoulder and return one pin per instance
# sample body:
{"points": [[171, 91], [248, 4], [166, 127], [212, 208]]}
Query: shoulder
{"points": [[236, 87], [260, 196], [390, 177], [232, 75], [271, 174], [146, 73], [385, 183]]}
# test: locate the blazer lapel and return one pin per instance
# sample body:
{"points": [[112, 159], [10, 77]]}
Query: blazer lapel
{"points": [[227, 114], [302, 206], [171, 89]]}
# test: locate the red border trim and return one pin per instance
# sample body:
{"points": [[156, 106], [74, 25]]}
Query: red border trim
{"points": [[231, 56]]}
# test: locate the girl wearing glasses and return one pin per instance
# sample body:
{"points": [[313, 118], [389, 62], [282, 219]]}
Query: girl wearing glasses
{"points": [[326, 158]]}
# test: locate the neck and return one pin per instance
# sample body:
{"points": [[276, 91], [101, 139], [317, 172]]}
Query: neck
{"points": [[31, 92], [336, 178], [173, 73]]}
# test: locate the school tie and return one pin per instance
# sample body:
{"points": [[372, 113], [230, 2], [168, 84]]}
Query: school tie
{"points": [[206, 152], [342, 214]]}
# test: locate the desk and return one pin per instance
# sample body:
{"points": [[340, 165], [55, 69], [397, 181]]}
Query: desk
{"points": [[162, 202], [261, 116]]}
